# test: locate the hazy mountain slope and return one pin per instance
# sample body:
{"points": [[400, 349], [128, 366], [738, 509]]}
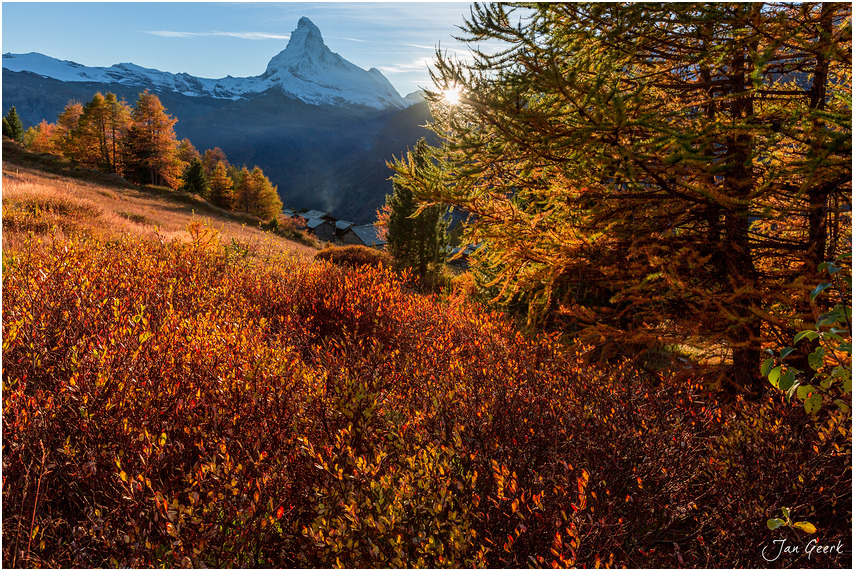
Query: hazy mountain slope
{"points": [[399, 134], [299, 146], [42, 98]]}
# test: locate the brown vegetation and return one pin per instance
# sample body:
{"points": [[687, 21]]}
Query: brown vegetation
{"points": [[168, 404], [39, 195], [355, 256], [170, 399]]}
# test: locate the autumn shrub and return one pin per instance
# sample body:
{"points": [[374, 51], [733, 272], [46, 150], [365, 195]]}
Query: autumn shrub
{"points": [[34, 213], [354, 256], [169, 405]]}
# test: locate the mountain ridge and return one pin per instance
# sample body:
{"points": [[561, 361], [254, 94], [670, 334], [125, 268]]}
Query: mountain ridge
{"points": [[306, 69]]}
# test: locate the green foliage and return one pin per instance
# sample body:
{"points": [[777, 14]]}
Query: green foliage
{"points": [[177, 405], [194, 182], [776, 523], [12, 126], [417, 233], [830, 356]]}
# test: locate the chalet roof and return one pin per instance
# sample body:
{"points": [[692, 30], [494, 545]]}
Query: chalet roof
{"points": [[368, 235], [342, 224], [288, 211], [313, 223], [314, 214]]}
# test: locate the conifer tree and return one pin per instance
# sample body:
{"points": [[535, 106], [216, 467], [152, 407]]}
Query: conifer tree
{"points": [[255, 193], [116, 131], [186, 152], [416, 233], [12, 126], [41, 138], [211, 158], [66, 134], [221, 188], [152, 143], [270, 207], [266, 203], [640, 173], [194, 179], [243, 195], [91, 134]]}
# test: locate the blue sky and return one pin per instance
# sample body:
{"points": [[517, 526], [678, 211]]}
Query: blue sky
{"points": [[215, 39]]}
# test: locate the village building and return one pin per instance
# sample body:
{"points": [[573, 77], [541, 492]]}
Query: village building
{"points": [[366, 235], [326, 227], [341, 227], [321, 228], [319, 214]]}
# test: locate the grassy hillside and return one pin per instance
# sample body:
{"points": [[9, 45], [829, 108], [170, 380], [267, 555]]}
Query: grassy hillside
{"points": [[47, 195], [168, 401]]}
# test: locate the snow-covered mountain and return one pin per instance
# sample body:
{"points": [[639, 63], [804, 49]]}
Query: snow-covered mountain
{"points": [[307, 69]]}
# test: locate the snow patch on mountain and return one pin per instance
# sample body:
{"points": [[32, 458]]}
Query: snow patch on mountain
{"points": [[416, 96], [306, 69]]}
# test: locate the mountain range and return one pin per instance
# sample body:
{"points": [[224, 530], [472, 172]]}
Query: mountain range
{"points": [[319, 126]]}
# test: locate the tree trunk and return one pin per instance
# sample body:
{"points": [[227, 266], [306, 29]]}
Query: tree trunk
{"points": [[741, 276], [818, 195]]}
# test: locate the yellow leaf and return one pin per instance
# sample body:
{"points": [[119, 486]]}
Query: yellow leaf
{"points": [[804, 526]]}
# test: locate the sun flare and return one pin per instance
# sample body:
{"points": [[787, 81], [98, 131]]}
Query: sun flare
{"points": [[452, 95]]}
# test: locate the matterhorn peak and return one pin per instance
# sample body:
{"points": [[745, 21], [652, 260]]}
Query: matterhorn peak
{"points": [[306, 39], [307, 28], [306, 54], [308, 69]]}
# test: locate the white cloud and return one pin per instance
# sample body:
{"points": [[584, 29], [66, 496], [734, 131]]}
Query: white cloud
{"points": [[241, 35], [431, 48], [419, 64]]}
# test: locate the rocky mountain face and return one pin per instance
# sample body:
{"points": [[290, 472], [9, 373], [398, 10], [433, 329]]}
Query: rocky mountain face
{"points": [[319, 126]]}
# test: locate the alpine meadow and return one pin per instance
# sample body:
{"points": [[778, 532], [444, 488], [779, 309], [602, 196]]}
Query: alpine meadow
{"points": [[601, 316]]}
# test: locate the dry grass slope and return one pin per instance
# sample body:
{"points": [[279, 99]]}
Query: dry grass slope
{"points": [[46, 195]]}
